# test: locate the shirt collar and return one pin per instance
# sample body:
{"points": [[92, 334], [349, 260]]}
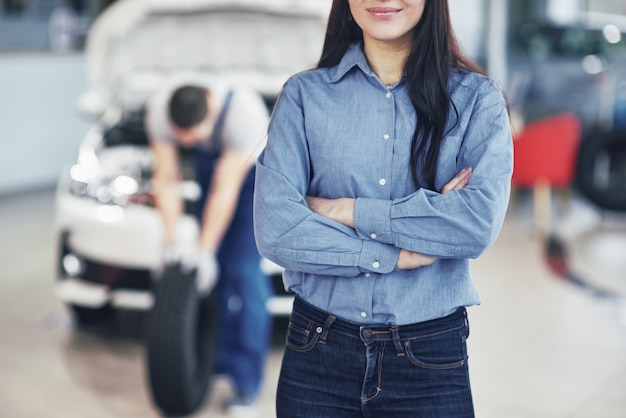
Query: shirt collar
{"points": [[354, 57]]}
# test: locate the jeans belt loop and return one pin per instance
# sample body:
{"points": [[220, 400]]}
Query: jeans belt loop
{"points": [[329, 322], [395, 336]]}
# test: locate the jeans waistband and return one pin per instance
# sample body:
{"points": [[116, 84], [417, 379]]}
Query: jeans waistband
{"points": [[317, 315]]}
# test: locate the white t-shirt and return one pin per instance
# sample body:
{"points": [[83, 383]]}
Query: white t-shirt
{"points": [[245, 125]]}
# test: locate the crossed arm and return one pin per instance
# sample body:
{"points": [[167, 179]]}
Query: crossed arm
{"points": [[342, 211]]}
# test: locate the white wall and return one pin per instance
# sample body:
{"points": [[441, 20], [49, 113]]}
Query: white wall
{"points": [[469, 21], [481, 26], [39, 128]]}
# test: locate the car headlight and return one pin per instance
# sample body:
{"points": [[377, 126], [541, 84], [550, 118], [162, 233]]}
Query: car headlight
{"points": [[81, 173], [119, 190], [125, 185]]}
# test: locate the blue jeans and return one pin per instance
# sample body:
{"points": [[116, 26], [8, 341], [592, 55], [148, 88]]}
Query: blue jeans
{"points": [[243, 289], [334, 368]]}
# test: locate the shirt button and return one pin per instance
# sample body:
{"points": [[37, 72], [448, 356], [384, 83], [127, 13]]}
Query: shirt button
{"points": [[382, 182], [368, 274], [373, 236], [363, 315], [386, 137], [376, 264], [388, 95]]}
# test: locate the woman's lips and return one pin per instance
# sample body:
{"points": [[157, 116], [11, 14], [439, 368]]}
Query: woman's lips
{"points": [[382, 12]]}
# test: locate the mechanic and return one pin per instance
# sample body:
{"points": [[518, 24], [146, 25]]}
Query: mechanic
{"points": [[225, 126]]}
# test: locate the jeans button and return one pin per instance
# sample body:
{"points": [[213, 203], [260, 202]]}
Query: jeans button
{"points": [[367, 333]]}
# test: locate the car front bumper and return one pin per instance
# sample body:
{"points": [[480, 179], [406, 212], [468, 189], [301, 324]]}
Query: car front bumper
{"points": [[106, 255]]}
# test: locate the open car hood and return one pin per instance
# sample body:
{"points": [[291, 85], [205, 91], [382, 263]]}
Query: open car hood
{"points": [[135, 44]]}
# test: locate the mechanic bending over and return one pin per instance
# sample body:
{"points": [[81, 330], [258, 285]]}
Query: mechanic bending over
{"points": [[225, 126]]}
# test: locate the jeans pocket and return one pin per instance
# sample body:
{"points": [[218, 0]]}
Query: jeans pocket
{"points": [[302, 334], [444, 350]]}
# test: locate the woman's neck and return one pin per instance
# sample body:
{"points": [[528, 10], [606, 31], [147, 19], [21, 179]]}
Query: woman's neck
{"points": [[386, 60]]}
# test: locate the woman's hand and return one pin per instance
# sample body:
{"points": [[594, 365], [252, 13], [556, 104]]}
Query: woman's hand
{"points": [[340, 210], [459, 181], [408, 260]]}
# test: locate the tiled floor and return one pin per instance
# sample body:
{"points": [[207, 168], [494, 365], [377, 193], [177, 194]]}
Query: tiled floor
{"points": [[540, 347]]}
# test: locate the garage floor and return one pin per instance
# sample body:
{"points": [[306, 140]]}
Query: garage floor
{"points": [[540, 346]]}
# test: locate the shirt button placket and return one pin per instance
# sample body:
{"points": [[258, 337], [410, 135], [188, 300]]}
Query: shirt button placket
{"points": [[386, 135]]}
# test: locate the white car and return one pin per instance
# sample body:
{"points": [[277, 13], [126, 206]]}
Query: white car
{"points": [[108, 231]]}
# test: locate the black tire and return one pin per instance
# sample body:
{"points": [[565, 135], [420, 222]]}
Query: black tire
{"points": [[90, 317], [610, 193], [181, 335]]}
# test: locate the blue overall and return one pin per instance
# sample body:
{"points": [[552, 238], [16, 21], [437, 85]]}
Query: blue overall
{"points": [[243, 289]]}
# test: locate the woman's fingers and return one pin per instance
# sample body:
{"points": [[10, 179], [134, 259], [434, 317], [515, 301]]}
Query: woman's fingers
{"points": [[408, 260], [459, 181], [317, 204]]}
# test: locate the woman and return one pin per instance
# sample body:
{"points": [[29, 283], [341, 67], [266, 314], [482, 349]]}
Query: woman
{"points": [[387, 169]]}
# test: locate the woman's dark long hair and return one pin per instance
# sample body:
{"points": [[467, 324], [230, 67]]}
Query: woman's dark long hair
{"points": [[435, 51]]}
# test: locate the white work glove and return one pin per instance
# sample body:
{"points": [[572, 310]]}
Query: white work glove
{"points": [[206, 266], [170, 254]]}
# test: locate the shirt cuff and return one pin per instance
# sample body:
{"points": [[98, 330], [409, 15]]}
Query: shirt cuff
{"points": [[378, 258], [372, 219]]}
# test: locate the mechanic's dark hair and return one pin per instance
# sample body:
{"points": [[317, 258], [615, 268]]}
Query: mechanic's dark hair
{"points": [[188, 106], [435, 52]]}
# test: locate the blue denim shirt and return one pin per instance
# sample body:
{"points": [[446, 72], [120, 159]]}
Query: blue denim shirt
{"points": [[340, 132]]}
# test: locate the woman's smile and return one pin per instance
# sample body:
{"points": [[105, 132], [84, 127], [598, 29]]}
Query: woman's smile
{"points": [[388, 22], [383, 12]]}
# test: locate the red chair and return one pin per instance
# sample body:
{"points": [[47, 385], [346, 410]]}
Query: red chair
{"points": [[545, 154]]}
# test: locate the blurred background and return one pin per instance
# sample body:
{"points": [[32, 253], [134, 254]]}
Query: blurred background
{"points": [[548, 341]]}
